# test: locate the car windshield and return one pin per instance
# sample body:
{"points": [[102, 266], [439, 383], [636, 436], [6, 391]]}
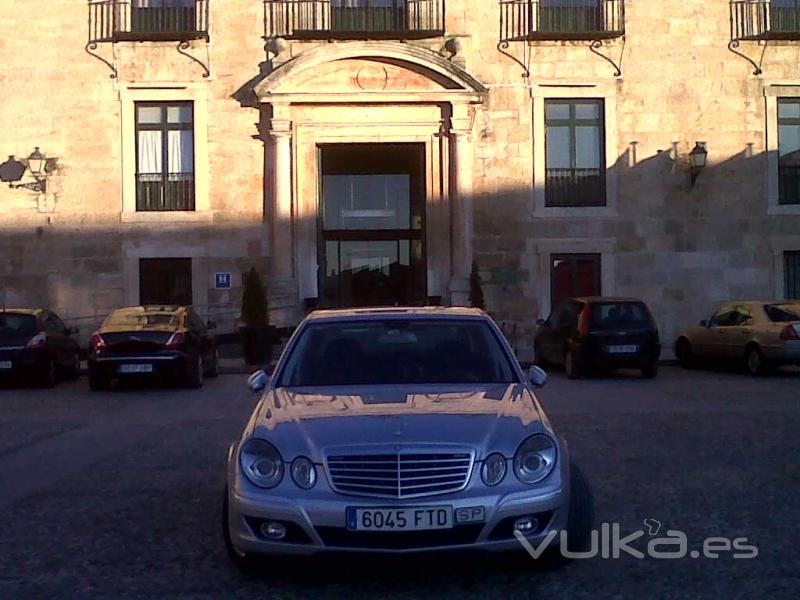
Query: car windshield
{"points": [[139, 319], [779, 313], [16, 324], [620, 315], [404, 351]]}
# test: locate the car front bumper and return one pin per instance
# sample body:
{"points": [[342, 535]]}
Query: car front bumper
{"points": [[318, 524]]}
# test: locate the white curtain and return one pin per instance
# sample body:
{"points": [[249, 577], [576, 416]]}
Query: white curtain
{"points": [[180, 152], [150, 153]]}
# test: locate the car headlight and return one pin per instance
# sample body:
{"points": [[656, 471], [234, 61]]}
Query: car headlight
{"points": [[304, 473], [493, 469], [535, 458], [261, 462]]}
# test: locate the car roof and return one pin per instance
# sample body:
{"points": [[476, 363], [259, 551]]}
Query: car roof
{"points": [[23, 311], [397, 312], [594, 299], [152, 309]]}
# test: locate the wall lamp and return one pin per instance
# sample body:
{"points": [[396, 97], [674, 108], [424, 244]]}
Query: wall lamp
{"points": [[697, 161], [12, 171]]}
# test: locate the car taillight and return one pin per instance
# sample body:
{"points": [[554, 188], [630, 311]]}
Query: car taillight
{"points": [[37, 341], [791, 332], [583, 320], [175, 340], [96, 342]]}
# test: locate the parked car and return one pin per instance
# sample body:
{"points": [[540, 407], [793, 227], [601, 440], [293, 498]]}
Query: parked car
{"points": [[37, 346], [760, 335], [170, 342], [398, 430], [599, 333]]}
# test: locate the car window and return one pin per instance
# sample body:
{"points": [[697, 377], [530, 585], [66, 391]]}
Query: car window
{"points": [[724, 317], [780, 313], [743, 315], [138, 319], [54, 323], [568, 314], [400, 351], [620, 315], [17, 324]]}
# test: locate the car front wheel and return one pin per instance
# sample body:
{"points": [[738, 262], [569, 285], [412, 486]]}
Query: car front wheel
{"points": [[650, 370], [684, 354]]}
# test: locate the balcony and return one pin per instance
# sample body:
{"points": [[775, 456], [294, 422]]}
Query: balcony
{"points": [[561, 19], [575, 187], [147, 20], [170, 192], [765, 20], [353, 19]]}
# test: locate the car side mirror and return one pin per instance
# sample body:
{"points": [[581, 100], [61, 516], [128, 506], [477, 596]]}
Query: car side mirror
{"points": [[537, 376], [258, 381], [211, 325]]}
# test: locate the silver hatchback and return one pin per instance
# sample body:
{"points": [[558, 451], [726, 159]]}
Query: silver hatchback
{"points": [[399, 430]]}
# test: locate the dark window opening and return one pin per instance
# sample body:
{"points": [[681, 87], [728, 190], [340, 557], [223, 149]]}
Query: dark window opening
{"points": [[574, 275], [791, 269], [165, 156], [789, 150], [165, 281], [575, 153]]}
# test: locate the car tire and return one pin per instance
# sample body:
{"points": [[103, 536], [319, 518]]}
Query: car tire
{"points": [[194, 373], [75, 369], [650, 370], [684, 354], [48, 376], [580, 520], [754, 361], [98, 382], [571, 367], [246, 563]]}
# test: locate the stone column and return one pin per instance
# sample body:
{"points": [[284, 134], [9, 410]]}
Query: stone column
{"points": [[461, 192], [282, 284]]}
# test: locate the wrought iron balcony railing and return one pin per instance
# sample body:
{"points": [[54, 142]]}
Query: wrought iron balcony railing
{"points": [[575, 187], [561, 19], [354, 19], [147, 20], [170, 192], [765, 20]]}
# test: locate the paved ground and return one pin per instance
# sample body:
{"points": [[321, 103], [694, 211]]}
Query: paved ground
{"points": [[118, 494]]}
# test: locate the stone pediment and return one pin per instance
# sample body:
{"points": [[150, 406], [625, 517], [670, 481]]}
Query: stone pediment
{"points": [[384, 70]]}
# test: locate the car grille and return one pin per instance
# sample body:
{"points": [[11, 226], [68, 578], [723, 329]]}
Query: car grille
{"points": [[399, 475]]}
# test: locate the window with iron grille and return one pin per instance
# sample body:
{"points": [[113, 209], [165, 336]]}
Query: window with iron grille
{"points": [[791, 270], [164, 156], [575, 153], [789, 150]]}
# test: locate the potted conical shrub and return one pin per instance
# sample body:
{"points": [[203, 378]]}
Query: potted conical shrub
{"points": [[476, 288], [254, 329]]}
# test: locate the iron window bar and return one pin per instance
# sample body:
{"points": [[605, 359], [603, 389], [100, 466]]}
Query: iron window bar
{"points": [[531, 20], [148, 20]]}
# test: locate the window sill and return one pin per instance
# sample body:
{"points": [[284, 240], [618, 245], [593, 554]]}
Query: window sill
{"points": [[197, 216], [783, 209], [574, 212]]}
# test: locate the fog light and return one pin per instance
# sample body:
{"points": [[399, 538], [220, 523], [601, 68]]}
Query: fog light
{"points": [[273, 530], [526, 524]]}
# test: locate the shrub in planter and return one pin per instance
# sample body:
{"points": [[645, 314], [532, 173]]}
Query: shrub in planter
{"points": [[255, 331]]}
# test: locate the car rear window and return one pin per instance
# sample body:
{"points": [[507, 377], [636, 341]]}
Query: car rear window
{"points": [[780, 313], [139, 319], [608, 316], [17, 324], [406, 351]]}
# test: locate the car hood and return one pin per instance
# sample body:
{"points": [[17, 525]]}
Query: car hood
{"points": [[492, 418]]}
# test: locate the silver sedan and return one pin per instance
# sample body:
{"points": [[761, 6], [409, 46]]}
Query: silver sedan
{"points": [[760, 334], [399, 430]]}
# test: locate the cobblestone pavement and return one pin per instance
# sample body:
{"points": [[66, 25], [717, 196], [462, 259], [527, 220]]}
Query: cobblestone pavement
{"points": [[118, 495]]}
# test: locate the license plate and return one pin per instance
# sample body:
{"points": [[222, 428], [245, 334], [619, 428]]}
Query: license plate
{"points": [[412, 518], [626, 349], [136, 368], [6, 364]]}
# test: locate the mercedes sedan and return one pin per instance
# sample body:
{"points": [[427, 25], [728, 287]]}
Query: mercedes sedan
{"points": [[399, 430]]}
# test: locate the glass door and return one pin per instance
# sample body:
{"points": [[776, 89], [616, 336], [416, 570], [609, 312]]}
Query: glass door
{"points": [[372, 225]]}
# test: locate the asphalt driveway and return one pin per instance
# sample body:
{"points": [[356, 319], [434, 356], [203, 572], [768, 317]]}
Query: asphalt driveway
{"points": [[118, 494]]}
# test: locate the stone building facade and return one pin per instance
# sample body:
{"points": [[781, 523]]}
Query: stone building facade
{"points": [[364, 152]]}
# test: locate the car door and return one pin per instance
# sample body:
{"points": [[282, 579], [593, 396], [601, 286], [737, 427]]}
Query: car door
{"points": [[737, 333], [712, 339]]}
